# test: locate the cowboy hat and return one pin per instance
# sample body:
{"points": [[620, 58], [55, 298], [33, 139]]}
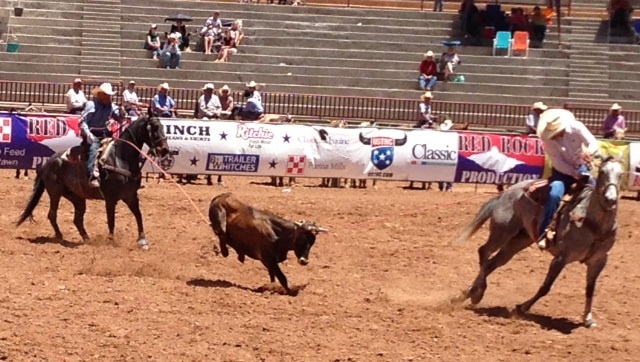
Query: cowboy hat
{"points": [[251, 84], [77, 80], [164, 85], [446, 125], [428, 54], [539, 105], [553, 122], [225, 88], [104, 88], [615, 107], [427, 95], [208, 86]]}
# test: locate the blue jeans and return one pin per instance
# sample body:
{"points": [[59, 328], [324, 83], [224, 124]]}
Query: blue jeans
{"points": [[560, 184], [427, 83], [171, 58], [92, 154]]}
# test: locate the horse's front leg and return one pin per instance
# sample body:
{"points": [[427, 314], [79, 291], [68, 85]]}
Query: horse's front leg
{"points": [[594, 268], [557, 264], [134, 205], [110, 204]]}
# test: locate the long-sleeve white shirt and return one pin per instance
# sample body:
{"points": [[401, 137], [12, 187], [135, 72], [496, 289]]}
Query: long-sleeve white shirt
{"points": [[130, 97], [566, 152], [75, 99], [209, 107]]}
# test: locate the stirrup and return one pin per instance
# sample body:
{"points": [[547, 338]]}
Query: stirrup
{"points": [[546, 239]]}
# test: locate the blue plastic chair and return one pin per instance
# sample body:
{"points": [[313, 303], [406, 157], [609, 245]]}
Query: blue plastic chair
{"points": [[502, 41]]}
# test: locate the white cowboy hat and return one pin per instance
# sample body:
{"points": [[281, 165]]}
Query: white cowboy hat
{"points": [[164, 85], [428, 54], [616, 107], [209, 86], [77, 80], [553, 122], [539, 105], [446, 125], [427, 95], [104, 88], [251, 84], [225, 88]]}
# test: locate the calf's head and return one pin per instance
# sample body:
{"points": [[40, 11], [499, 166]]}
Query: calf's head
{"points": [[306, 232]]}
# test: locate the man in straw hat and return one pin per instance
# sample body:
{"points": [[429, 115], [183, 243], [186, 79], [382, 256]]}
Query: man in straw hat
{"points": [[425, 119], [209, 106], [614, 122], [94, 125], [569, 145], [163, 105], [534, 117]]}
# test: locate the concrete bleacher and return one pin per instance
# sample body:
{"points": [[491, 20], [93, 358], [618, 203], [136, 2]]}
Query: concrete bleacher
{"points": [[311, 50]]}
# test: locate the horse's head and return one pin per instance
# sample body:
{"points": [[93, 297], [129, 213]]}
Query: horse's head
{"points": [[608, 181], [154, 136]]}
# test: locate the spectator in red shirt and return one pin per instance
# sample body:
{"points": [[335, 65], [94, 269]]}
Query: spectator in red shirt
{"points": [[428, 69]]}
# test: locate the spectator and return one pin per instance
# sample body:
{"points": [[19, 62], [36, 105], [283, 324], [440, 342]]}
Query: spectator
{"points": [[228, 47], [538, 25], [76, 99], [236, 32], [532, 119], [425, 119], [226, 101], [428, 72], [252, 110], [253, 87], [163, 105], [517, 20], [209, 35], [181, 29], [448, 63], [209, 104], [619, 17], [153, 42], [438, 5], [614, 122], [212, 32], [171, 54], [215, 21], [130, 100]]}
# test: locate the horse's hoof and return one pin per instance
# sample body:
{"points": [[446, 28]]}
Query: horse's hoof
{"points": [[224, 252], [86, 239], [58, 237], [143, 244], [518, 311], [590, 324]]}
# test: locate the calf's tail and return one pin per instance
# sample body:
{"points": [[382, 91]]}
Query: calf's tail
{"points": [[38, 190], [481, 217]]}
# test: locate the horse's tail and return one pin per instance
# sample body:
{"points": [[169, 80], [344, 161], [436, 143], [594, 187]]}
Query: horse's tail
{"points": [[38, 190], [481, 217]]}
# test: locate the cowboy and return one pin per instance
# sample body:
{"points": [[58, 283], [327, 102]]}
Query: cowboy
{"points": [[614, 122], [209, 106], [130, 100], [534, 117], [569, 145], [94, 125], [163, 105], [76, 101], [426, 119], [253, 88]]}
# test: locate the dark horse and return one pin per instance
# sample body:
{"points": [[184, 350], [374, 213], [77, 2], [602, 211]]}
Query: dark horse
{"points": [[64, 175]]}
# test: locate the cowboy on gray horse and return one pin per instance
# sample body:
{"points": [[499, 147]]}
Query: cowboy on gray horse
{"points": [[94, 124], [570, 146]]}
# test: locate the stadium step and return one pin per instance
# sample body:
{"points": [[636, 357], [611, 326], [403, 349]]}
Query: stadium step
{"points": [[102, 57], [99, 73]]}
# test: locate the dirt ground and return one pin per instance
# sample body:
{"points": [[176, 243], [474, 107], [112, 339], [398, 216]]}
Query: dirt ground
{"points": [[376, 288]]}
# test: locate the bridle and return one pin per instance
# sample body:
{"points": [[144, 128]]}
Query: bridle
{"points": [[154, 144], [605, 187]]}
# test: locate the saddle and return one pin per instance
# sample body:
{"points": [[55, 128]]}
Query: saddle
{"points": [[77, 154]]}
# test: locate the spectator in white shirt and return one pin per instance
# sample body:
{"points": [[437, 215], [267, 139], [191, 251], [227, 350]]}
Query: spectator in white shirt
{"points": [[253, 87], [569, 145], [76, 99], [130, 100], [534, 117], [209, 106]]}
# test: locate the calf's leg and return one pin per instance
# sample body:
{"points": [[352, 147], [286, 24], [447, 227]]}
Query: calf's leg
{"points": [[274, 269]]}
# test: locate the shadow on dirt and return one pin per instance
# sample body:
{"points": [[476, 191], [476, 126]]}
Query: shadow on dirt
{"points": [[223, 284], [49, 240], [562, 325]]}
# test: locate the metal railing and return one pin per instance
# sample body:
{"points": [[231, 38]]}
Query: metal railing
{"points": [[403, 111]]}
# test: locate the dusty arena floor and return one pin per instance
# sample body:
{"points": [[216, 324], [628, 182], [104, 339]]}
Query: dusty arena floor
{"points": [[376, 288]]}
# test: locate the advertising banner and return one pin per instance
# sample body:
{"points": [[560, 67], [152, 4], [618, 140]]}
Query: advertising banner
{"points": [[498, 159], [634, 166]]}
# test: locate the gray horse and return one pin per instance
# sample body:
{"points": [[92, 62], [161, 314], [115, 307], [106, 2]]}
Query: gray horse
{"points": [[586, 231]]}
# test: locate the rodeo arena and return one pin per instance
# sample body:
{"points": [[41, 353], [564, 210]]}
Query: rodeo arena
{"points": [[319, 180]]}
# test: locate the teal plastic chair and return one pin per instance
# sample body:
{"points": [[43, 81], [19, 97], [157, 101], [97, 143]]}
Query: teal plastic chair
{"points": [[502, 41]]}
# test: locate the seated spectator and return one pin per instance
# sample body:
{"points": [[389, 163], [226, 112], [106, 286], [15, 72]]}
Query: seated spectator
{"points": [[226, 101], [253, 87], [448, 63], [171, 54], [517, 20], [163, 105], [212, 33], [228, 47], [236, 32], [215, 21], [425, 119], [428, 72], [620, 17], [76, 99], [209, 36], [534, 117], [252, 111], [130, 100], [614, 122], [181, 29], [538, 25], [209, 106], [153, 42]]}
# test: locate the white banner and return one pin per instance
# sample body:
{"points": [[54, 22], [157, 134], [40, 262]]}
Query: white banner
{"points": [[236, 148], [634, 166]]}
